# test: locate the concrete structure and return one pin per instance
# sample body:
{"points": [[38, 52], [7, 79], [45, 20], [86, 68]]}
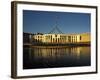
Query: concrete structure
{"points": [[62, 38], [55, 36], [27, 38]]}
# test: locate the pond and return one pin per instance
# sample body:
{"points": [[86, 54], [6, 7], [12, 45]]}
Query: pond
{"points": [[41, 57]]}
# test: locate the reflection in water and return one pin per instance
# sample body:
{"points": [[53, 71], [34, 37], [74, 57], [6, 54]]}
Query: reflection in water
{"points": [[56, 57]]}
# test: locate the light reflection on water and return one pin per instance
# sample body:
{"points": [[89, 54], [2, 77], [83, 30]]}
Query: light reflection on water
{"points": [[56, 57]]}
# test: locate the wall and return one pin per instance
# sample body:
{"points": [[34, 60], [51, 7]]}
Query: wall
{"points": [[85, 37], [5, 41]]}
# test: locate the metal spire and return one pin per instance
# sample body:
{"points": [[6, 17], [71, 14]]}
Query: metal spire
{"points": [[55, 30]]}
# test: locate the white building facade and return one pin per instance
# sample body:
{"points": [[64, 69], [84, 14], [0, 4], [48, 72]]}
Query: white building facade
{"points": [[62, 38]]}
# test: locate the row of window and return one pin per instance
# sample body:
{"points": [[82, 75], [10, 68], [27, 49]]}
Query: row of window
{"points": [[63, 38]]}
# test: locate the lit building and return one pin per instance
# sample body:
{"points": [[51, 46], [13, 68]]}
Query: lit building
{"points": [[62, 38], [56, 37]]}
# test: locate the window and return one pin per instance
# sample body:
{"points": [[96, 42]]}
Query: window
{"points": [[55, 35], [80, 37]]}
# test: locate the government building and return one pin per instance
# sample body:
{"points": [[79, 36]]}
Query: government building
{"points": [[62, 38], [56, 37]]}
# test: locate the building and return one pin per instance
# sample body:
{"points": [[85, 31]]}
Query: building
{"points": [[27, 37], [55, 36], [62, 38]]}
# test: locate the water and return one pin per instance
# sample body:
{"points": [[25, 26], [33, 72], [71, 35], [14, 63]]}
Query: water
{"points": [[56, 57]]}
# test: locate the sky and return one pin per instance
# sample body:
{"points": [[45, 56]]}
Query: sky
{"points": [[45, 21]]}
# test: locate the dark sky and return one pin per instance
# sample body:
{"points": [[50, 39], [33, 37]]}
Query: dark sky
{"points": [[45, 21]]}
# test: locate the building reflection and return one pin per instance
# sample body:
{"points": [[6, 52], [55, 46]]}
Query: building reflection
{"points": [[74, 52]]}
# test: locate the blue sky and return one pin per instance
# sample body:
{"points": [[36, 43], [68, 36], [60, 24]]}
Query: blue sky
{"points": [[45, 21]]}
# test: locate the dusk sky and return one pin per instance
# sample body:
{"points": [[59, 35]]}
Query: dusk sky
{"points": [[45, 21]]}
